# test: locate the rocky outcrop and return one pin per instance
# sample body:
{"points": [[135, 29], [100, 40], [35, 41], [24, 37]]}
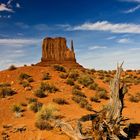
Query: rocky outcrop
{"points": [[55, 51]]}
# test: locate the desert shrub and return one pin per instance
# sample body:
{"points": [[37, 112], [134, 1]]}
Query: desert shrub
{"points": [[23, 104], [95, 99], [6, 91], [63, 75], [31, 100], [46, 76], [82, 102], [59, 68], [78, 93], [135, 98], [60, 101], [48, 87], [103, 95], [85, 80], [106, 79], [93, 86], [35, 106], [76, 87], [43, 125], [48, 112], [70, 81], [40, 93], [30, 79], [23, 76], [88, 107], [137, 81], [32, 64], [12, 67], [73, 75], [16, 108], [5, 85], [25, 83], [93, 70]]}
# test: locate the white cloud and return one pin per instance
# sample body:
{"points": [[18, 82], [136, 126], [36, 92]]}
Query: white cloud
{"points": [[111, 27], [137, 1], [111, 38], [18, 42], [4, 7], [96, 47], [18, 5], [9, 2], [132, 9], [110, 57], [124, 40]]}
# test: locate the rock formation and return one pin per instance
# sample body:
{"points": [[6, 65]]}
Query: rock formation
{"points": [[55, 51]]}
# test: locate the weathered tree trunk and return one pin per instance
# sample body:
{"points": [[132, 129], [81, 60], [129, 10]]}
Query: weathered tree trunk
{"points": [[106, 124]]}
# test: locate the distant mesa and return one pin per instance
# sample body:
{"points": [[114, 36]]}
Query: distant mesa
{"points": [[55, 51]]}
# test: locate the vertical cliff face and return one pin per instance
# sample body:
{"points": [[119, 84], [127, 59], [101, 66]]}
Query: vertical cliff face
{"points": [[56, 50]]}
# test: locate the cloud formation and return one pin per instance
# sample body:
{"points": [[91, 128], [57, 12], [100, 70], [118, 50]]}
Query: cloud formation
{"points": [[96, 47], [136, 1], [4, 7], [132, 9], [124, 40], [110, 27], [18, 42]]}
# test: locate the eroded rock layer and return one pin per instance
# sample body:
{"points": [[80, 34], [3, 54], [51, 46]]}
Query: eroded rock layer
{"points": [[55, 51]]}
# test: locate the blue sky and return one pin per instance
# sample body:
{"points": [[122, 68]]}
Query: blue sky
{"points": [[105, 32]]}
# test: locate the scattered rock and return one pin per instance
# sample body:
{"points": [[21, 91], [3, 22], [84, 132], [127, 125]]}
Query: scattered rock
{"points": [[28, 88], [19, 129], [7, 126]]}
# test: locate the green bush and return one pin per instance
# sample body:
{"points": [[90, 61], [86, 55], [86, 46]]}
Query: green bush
{"points": [[73, 75], [48, 87], [59, 68], [48, 112], [30, 79], [40, 93], [135, 98], [82, 102], [6, 91], [5, 85], [23, 76], [35, 106], [46, 76], [12, 67], [76, 87], [103, 95], [63, 75], [93, 86], [31, 100], [60, 101], [95, 99], [16, 108], [78, 93], [43, 125], [85, 80], [25, 83], [70, 82]]}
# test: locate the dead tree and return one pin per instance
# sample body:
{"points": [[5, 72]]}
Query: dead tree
{"points": [[106, 124]]}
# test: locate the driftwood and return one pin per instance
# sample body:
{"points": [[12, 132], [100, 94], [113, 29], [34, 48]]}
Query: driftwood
{"points": [[106, 124]]}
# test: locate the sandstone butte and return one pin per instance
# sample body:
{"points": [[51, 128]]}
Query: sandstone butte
{"points": [[55, 51]]}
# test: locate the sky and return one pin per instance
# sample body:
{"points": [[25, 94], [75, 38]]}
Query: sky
{"points": [[105, 32]]}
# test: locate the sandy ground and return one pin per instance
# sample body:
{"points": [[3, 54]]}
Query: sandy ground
{"points": [[70, 111]]}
